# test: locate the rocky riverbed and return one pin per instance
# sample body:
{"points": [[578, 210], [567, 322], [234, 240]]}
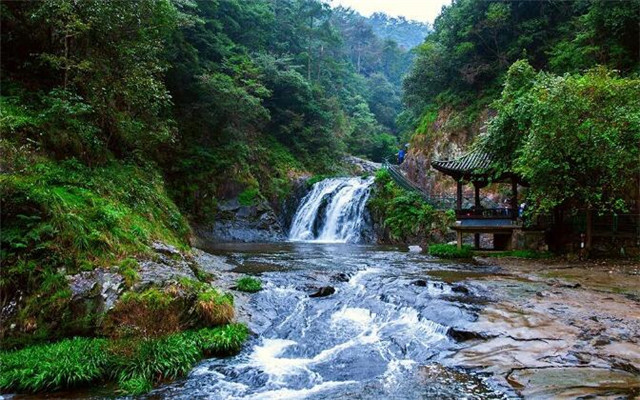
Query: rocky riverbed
{"points": [[512, 328], [558, 330]]}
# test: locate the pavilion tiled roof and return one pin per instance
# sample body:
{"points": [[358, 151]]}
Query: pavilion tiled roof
{"points": [[475, 163]]}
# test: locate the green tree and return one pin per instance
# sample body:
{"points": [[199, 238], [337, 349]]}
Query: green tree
{"points": [[573, 138]]}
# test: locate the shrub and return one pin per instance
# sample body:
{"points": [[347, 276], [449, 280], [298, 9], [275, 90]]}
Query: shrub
{"points": [[404, 214], [152, 313], [215, 308], [450, 251], [248, 284]]}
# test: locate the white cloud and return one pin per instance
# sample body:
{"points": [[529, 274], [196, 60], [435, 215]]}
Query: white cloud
{"points": [[420, 10]]}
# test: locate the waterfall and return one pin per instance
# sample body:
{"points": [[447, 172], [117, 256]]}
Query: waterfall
{"points": [[333, 211]]}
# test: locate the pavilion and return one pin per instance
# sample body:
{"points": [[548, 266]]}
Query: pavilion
{"points": [[475, 168]]}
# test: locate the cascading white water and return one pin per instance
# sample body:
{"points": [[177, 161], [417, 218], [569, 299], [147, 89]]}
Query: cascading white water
{"points": [[333, 211]]}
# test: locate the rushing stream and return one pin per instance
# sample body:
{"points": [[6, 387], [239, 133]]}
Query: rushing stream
{"points": [[380, 335]]}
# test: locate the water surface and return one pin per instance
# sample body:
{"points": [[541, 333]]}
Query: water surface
{"points": [[382, 334]]}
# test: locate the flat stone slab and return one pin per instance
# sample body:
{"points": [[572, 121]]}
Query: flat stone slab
{"points": [[574, 382]]}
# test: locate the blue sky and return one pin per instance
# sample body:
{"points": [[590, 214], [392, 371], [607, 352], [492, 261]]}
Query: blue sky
{"points": [[420, 10]]}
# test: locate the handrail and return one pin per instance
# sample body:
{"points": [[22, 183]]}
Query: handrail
{"points": [[405, 183]]}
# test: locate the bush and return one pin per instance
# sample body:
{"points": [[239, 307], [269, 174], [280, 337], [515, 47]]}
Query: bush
{"points": [[450, 251], [248, 284], [136, 364], [405, 215], [224, 340]]}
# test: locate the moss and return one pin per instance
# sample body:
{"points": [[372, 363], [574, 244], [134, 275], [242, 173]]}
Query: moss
{"points": [[528, 254], [134, 364], [249, 196], [128, 268], [248, 284], [450, 251]]}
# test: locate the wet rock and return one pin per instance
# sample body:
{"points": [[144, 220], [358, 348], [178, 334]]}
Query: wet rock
{"points": [[420, 282], [98, 286], [459, 289], [573, 382], [342, 277], [165, 249], [210, 263], [361, 165], [161, 271], [323, 292], [415, 249], [460, 335]]}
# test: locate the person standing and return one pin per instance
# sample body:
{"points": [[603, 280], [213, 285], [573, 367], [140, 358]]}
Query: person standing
{"points": [[401, 155]]}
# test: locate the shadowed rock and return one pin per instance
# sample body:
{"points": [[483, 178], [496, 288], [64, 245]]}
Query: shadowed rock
{"points": [[460, 289], [323, 292]]}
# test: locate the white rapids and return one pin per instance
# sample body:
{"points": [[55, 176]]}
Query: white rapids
{"points": [[333, 211]]}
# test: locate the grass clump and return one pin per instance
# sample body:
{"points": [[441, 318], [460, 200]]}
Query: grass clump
{"points": [[151, 313], [450, 251], [135, 364], [55, 366], [529, 254], [248, 284], [214, 307], [224, 340], [249, 196]]}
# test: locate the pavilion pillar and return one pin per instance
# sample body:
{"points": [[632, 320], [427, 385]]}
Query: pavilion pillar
{"points": [[459, 196], [514, 198], [476, 236]]}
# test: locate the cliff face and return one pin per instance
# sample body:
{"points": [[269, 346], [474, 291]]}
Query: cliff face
{"points": [[442, 134]]}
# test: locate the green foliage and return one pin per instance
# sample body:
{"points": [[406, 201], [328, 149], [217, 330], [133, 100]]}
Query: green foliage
{"points": [[450, 251], [248, 196], [135, 364], [65, 364], [249, 284], [128, 269], [572, 138], [405, 214], [223, 341], [64, 217], [463, 62], [528, 254]]}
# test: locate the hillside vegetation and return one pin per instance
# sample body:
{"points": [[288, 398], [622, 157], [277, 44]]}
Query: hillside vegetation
{"points": [[555, 84]]}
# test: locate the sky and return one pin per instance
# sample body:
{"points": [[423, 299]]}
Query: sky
{"points": [[420, 10]]}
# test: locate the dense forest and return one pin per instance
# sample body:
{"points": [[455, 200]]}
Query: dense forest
{"points": [[123, 122]]}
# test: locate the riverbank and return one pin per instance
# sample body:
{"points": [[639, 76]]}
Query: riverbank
{"points": [[557, 329]]}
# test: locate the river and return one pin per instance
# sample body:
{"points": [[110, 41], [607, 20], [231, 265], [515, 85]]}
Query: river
{"points": [[382, 334]]}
